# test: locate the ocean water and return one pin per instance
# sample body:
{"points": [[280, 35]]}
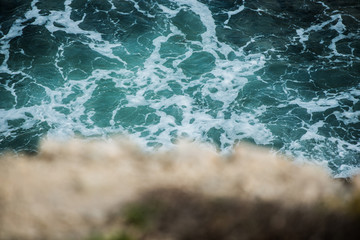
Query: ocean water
{"points": [[281, 74]]}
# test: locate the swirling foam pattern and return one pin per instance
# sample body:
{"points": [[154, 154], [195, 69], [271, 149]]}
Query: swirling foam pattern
{"points": [[284, 74]]}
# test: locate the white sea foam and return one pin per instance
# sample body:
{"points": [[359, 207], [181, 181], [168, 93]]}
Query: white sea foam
{"points": [[137, 7], [203, 103], [347, 171], [228, 78], [316, 105], [231, 13], [312, 132], [169, 12]]}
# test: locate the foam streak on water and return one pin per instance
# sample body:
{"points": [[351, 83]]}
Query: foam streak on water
{"points": [[276, 73]]}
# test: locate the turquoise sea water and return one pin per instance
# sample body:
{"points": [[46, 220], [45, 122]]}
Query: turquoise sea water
{"points": [[282, 74]]}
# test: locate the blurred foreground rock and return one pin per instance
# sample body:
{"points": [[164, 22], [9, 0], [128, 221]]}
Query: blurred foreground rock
{"points": [[113, 190]]}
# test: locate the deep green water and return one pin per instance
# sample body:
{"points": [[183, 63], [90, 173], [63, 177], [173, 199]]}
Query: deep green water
{"points": [[283, 74]]}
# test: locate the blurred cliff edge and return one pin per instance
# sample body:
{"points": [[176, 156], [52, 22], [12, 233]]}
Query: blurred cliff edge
{"points": [[114, 190]]}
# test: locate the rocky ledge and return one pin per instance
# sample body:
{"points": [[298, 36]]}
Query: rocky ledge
{"points": [[114, 190]]}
